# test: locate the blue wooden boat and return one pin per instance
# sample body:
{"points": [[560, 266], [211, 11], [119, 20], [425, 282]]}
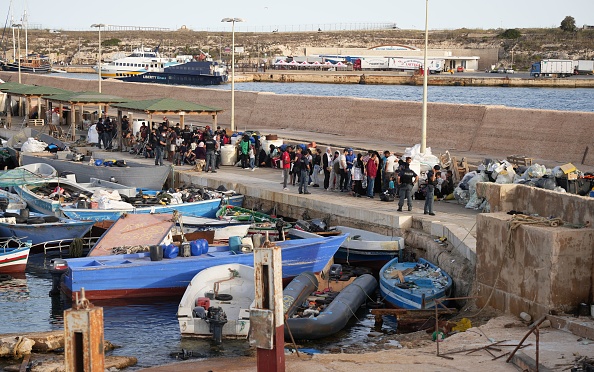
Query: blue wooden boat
{"points": [[40, 228], [137, 276], [41, 203], [203, 208], [423, 284]]}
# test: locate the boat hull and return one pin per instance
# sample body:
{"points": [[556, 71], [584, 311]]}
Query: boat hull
{"points": [[334, 317], [14, 261], [44, 232], [134, 175], [41, 69], [45, 205], [239, 286], [174, 79], [204, 208], [421, 296], [109, 277]]}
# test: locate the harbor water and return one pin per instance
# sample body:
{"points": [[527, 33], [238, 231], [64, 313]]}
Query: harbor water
{"points": [[564, 99], [148, 331]]}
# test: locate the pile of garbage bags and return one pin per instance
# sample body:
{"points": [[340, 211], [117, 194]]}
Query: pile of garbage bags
{"points": [[503, 172]]}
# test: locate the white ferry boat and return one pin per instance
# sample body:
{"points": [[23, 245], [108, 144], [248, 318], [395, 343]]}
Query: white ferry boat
{"points": [[139, 62]]}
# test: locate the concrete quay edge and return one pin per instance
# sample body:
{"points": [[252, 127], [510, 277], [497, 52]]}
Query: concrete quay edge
{"points": [[459, 230]]}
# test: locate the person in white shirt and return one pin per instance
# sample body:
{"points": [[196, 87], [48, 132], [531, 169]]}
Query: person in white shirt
{"points": [[390, 166]]}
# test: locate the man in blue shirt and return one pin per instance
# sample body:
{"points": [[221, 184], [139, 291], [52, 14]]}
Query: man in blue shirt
{"points": [[350, 159]]}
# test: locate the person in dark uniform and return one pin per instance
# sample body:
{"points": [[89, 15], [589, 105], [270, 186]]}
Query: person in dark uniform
{"points": [[211, 147], [100, 130], [160, 147], [406, 179]]}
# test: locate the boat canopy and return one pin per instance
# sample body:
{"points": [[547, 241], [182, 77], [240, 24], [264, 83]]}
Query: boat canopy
{"points": [[19, 176]]}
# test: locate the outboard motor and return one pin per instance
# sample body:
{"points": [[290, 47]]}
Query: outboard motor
{"points": [[335, 272], [280, 224], [318, 225], [217, 319], [4, 204], [59, 267]]}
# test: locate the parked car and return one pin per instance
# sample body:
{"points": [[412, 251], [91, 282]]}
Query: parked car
{"points": [[460, 69], [509, 71]]}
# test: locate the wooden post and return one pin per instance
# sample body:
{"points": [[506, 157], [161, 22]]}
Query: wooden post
{"points": [[269, 296], [83, 337]]}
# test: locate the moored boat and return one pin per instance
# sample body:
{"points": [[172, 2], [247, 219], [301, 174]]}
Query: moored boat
{"points": [[223, 230], [140, 61], [14, 254], [31, 64], [261, 223], [132, 174], [413, 285], [42, 228], [47, 196], [187, 73], [323, 320], [217, 303], [368, 248], [109, 277]]}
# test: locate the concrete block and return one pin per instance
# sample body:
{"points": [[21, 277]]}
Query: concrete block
{"points": [[437, 228]]}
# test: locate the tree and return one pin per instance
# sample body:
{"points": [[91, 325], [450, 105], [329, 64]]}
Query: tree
{"points": [[568, 24], [510, 33]]}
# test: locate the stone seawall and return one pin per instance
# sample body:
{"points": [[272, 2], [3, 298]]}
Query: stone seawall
{"points": [[490, 130]]}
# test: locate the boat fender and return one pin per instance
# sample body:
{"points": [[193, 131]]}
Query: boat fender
{"points": [[51, 219], [223, 297], [35, 221]]}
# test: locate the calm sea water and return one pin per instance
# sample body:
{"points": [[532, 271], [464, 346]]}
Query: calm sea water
{"points": [[147, 331], [564, 99]]}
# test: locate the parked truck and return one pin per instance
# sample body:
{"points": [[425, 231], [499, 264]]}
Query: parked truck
{"points": [[584, 67], [552, 68], [397, 64]]}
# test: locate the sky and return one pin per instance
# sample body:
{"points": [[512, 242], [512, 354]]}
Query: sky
{"points": [[266, 15]]}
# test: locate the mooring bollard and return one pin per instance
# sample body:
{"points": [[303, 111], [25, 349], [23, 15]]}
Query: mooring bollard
{"points": [[83, 336]]}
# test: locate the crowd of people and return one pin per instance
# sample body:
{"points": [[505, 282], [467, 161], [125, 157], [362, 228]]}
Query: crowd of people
{"points": [[364, 174]]}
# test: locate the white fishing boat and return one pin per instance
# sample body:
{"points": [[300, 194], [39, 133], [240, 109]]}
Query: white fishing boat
{"points": [[141, 60], [217, 303]]}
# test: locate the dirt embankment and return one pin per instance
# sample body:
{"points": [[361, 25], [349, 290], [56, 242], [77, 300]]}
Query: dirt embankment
{"points": [[80, 47]]}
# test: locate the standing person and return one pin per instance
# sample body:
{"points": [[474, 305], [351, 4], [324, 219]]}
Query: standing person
{"points": [[252, 156], [107, 129], [257, 146], [160, 147], [304, 166], [327, 166], [316, 161], [286, 166], [358, 174], [431, 183], [350, 161], [406, 179], [343, 170], [100, 131], [372, 166], [93, 136], [200, 152], [244, 147], [211, 147], [335, 171], [390, 165]]}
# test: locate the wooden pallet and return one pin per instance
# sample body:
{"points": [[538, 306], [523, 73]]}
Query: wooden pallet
{"points": [[519, 160], [459, 168]]}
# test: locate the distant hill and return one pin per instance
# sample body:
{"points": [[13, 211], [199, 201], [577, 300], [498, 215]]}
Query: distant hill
{"points": [[80, 47]]}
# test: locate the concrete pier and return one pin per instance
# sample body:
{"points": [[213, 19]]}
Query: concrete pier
{"points": [[498, 131]]}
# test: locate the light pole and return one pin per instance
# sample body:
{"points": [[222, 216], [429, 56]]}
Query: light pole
{"points": [[18, 26], [232, 20], [425, 75], [98, 26]]}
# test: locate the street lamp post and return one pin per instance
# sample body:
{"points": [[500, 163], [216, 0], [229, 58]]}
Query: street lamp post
{"points": [[232, 20], [98, 26], [18, 26], [425, 77]]}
